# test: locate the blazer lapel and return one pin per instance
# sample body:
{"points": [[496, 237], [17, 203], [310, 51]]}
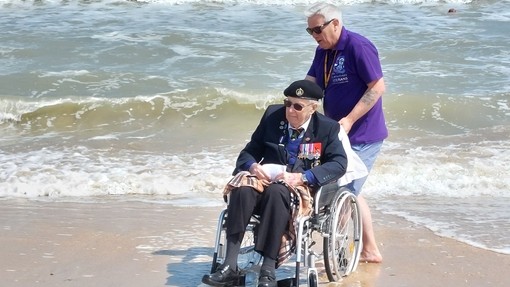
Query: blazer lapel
{"points": [[310, 131]]}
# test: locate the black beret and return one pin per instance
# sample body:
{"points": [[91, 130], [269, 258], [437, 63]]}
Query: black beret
{"points": [[304, 89]]}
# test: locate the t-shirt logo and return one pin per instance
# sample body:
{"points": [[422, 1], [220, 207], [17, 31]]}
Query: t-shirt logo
{"points": [[339, 65], [339, 73]]}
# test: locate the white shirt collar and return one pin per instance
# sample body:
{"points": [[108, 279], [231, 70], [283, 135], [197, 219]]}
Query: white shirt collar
{"points": [[304, 126]]}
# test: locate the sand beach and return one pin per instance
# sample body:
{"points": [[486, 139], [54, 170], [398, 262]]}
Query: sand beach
{"points": [[134, 243]]}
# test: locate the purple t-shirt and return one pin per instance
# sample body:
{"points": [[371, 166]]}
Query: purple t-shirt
{"points": [[356, 63]]}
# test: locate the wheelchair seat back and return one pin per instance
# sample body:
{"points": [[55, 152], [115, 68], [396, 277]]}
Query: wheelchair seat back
{"points": [[325, 196]]}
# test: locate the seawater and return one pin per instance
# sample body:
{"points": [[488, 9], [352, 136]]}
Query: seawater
{"points": [[152, 100]]}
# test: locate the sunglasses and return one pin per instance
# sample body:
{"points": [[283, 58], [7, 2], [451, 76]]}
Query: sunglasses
{"points": [[318, 29], [297, 107]]}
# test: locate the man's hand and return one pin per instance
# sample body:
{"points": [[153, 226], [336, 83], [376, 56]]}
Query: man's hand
{"points": [[346, 123], [257, 170], [294, 179]]}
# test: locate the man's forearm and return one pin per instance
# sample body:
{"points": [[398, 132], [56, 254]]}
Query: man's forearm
{"points": [[374, 91]]}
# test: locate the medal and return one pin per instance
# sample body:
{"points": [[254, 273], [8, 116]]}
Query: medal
{"points": [[310, 151]]}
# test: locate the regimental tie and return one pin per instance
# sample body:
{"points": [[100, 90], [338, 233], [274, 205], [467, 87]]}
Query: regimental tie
{"points": [[295, 133]]}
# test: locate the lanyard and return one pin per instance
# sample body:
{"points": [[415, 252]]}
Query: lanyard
{"points": [[327, 74]]}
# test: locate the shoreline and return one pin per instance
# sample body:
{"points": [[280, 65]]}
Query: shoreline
{"points": [[133, 243]]}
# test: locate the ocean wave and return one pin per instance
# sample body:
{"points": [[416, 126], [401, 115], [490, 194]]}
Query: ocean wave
{"points": [[464, 166], [217, 2], [180, 105], [84, 172], [443, 115], [441, 167]]}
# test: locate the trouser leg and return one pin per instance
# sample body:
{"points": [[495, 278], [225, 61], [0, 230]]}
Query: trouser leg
{"points": [[274, 211], [240, 208]]}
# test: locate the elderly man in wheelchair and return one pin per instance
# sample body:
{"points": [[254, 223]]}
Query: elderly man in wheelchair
{"points": [[274, 200]]}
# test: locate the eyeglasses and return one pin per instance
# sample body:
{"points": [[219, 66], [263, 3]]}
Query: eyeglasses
{"points": [[297, 107], [318, 29]]}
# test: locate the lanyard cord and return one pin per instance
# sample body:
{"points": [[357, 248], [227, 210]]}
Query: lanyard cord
{"points": [[327, 74]]}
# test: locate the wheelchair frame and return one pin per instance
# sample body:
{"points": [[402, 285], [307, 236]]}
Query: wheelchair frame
{"points": [[336, 217]]}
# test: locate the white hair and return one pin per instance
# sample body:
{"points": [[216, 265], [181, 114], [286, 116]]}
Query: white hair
{"points": [[326, 10]]}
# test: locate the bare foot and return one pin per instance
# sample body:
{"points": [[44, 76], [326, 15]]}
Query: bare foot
{"points": [[370, 257]]}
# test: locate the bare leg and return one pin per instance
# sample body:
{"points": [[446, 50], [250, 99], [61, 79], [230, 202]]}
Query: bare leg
{"points": [[370, 252]]}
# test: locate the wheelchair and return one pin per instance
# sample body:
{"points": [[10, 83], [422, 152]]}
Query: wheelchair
{"points": [[336, 218]]}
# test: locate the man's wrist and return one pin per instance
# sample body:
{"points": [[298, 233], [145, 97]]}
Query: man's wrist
{"points": [[247, 165]]}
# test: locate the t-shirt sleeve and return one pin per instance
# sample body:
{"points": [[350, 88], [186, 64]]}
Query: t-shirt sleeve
{"points": [[367, 63]]}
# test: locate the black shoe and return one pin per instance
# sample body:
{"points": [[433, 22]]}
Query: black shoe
{"points": [[267, 278], [224, 276]]}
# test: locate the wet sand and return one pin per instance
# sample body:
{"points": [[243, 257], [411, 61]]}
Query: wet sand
{"points": [[133, 243]]}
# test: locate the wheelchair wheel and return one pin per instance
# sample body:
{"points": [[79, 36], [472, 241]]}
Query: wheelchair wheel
{"points": [[342, 246], [312, 279], [247, 257]]}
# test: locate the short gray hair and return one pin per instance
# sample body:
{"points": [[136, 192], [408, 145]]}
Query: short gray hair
{"points": [[326, 10]]}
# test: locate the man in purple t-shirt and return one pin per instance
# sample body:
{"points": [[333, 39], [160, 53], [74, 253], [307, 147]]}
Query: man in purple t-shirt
{"points": [[347, 67]]}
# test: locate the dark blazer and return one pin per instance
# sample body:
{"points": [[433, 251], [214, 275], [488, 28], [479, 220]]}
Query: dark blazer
{"points": [[268, 142]]}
